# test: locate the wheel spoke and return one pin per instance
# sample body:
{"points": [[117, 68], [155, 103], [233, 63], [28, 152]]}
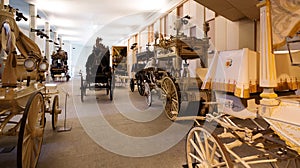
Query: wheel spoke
{"points": [[26, 152], [195, 157], [197, 150], [175, 100], [164, 90], [200, 143], [213, 151], [35, 147], [206, 145], [26, 138], [39, 132]]}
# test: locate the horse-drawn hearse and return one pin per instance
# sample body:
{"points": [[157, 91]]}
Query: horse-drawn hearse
{"points": [[59, 67], [254, 109], [24, 96], [99, 73]]}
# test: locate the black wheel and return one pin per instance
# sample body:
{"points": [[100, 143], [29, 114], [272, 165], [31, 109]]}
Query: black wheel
{"points": [[82, 89], [112, 86], [204, 149], [171, 98], [31, 132], [68, 78], [55, 111], [108, 87], [141, 86], [148, 94], [132, 85], [107, 90]]}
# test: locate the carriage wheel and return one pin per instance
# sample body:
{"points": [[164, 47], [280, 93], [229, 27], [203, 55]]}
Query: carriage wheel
{"points": [[55, 111], [112, 86], [148, 94], [141, 86], [108, 87], [204, 149], [132, 85], [68, 78], [170, 98], [107, 91], [31, 132], [82, 89]]}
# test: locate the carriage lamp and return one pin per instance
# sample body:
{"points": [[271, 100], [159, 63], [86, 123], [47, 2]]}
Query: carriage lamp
{"points": [[29, 64], [43, 66]]}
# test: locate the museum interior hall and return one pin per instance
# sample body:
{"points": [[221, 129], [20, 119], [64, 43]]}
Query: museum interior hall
{"points": [[149, 83]]}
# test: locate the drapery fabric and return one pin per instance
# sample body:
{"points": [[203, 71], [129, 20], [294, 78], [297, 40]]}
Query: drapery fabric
{"points": [[285, 16]]}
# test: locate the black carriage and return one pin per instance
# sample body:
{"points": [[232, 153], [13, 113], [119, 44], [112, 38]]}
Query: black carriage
{"points": [[99, 74], [140, 70], [59, 67]]}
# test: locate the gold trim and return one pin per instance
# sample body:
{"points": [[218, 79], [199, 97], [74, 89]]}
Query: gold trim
{"points": [[242, 93]]}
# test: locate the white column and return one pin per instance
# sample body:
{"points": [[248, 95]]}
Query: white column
{"points": [[6, 2], [32, 23], [267, 59], [60, 42], [55, 40], [47, 45]]}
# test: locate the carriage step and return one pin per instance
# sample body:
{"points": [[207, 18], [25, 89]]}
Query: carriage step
{"points": [[7, 149]]}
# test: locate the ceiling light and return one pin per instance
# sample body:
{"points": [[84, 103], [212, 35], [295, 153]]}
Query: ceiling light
{"points": [[151, 5]]}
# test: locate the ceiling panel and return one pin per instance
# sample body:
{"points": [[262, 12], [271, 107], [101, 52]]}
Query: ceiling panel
{"points": [[233, 9]]}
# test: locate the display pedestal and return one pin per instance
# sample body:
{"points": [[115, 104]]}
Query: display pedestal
{"points": [[65, 127]]}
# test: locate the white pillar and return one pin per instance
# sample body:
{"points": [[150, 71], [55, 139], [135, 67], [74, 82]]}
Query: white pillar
{"points": [[6, 2], [60, 42], [32, 23], [47, 45], [268, 78], [55, 40]]}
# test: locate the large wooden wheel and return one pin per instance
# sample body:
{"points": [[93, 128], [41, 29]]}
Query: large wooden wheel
{"points": [[171, 98], [148, 94], [55, 111], [204, 150], [31, 132]]}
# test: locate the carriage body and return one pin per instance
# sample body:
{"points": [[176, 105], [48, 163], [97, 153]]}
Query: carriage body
{"points": [[271, 131], [173, 75], [24, 95], [59, 67], [99, 73]]}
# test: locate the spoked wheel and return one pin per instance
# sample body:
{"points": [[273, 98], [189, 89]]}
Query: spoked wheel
{"points": [[132, 85], [205, 150], [31, 132], [107, 91], [171, 99], [55, 111], [82, 89], [111, 87], [108, 87], [141, 86], [148, 94]]}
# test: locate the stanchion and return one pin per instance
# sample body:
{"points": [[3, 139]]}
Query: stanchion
{"points": [[65, 128]]}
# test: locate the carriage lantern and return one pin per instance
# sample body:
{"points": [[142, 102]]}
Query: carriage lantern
{"points": [[30, 64], [43, 65]]}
